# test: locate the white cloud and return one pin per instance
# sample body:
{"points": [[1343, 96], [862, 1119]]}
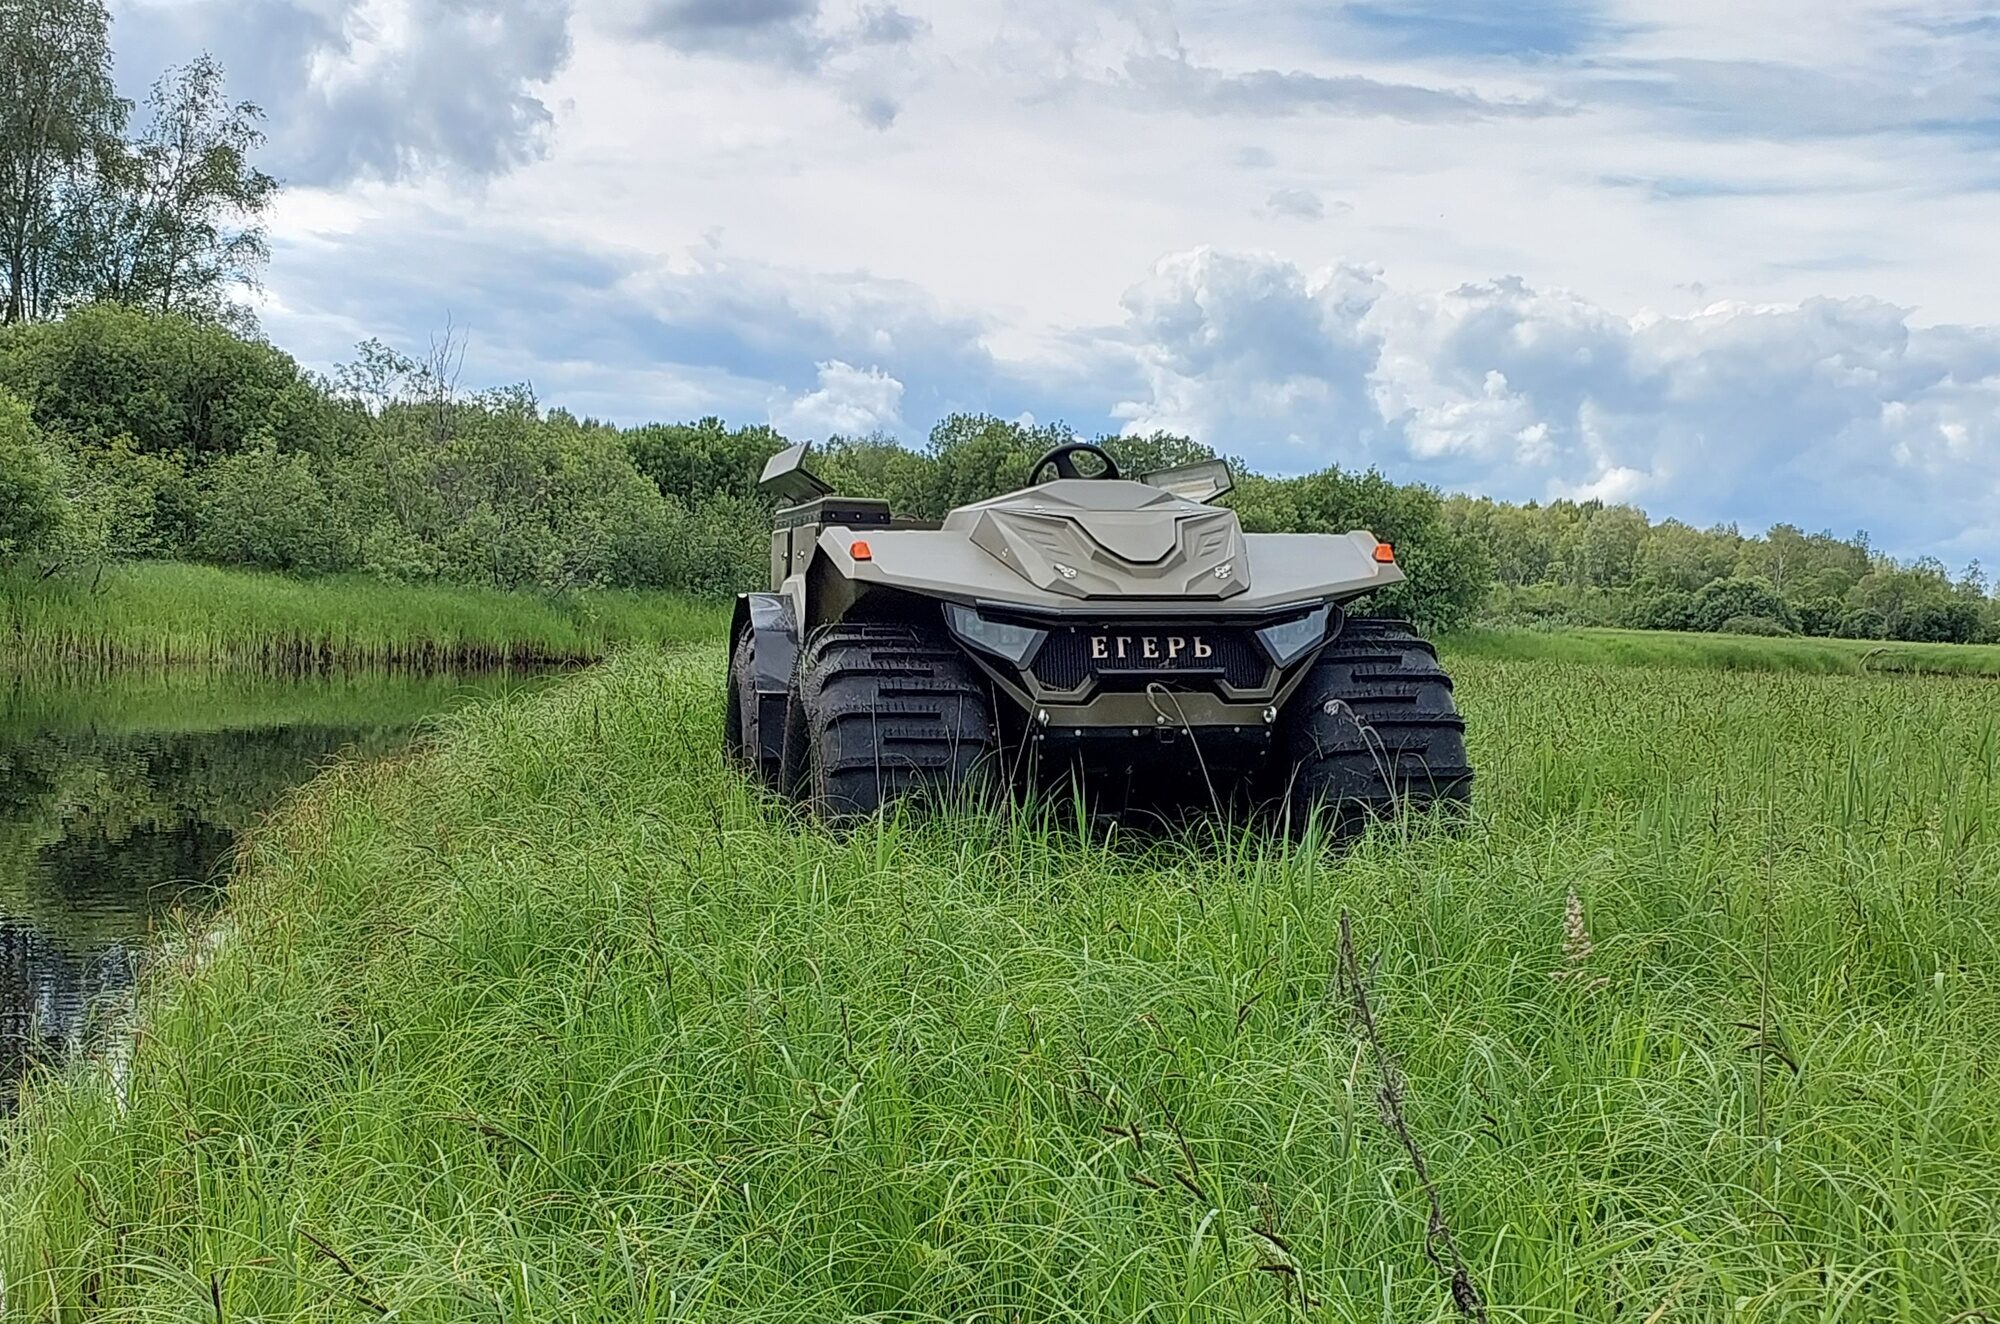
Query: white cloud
{"points": [[850, 402], [785, 31], [1300, 204], [381, 89], [1836, 412], [863, 53], [1176, 80], [620, 334], [1248, 351]]}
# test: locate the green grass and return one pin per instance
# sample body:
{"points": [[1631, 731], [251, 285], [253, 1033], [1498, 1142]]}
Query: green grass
{"points": [[558, 1020], [1729, 652], [171, 614]]}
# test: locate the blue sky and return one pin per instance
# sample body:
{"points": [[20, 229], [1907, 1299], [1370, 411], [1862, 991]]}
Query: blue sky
{"points": [[1729, 263]]}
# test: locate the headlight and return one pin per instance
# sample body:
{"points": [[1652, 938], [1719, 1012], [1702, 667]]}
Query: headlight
{"points": [[1288, 641], [1016, 644]]}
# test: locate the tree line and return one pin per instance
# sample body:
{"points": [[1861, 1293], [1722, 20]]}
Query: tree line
{"points": [[1569, 563], [133, 434], [127, 434]]}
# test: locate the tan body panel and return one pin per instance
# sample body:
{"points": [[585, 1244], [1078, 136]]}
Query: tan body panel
{"points": [[1282, 569]]}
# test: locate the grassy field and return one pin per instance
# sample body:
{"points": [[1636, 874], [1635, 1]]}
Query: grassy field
{"points": [[169, 614], [558, 1020], [1731, 652]]}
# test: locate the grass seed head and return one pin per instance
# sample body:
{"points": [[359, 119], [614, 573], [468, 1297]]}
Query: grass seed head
{"points": [[1576, 948]]}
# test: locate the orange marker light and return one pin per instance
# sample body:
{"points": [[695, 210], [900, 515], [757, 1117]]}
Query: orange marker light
{"points": [[861, 551], [1385, 553]]}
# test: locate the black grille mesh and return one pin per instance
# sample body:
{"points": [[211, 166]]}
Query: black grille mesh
{"points": [[1066, 659]]}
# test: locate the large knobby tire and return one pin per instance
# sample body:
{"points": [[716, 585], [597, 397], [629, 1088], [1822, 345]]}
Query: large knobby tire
{"points": [[882, 711], [1373, 731]]}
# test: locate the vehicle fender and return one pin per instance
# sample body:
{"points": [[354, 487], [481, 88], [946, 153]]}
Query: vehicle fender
{"points": [[767, 618]]}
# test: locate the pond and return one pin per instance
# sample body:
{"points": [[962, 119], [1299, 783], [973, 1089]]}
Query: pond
{"points": [[120, 801]]}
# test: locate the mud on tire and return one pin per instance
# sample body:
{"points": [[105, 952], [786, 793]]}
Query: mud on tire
{"points": [[881, 711], [1373, 729]]}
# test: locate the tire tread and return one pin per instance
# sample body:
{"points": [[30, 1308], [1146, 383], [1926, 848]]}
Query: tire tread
{"points": [[889, 710], [1374, 730]]}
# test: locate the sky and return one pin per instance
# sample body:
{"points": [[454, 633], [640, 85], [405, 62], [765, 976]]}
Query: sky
{"points": [[1725, 262]]}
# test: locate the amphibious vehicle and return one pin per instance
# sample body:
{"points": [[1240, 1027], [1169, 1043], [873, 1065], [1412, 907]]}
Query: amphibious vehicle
{"points": [[1123, 626]]}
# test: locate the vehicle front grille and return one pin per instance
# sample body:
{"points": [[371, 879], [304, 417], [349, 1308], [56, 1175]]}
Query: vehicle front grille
{"points": [[1128, 657]]}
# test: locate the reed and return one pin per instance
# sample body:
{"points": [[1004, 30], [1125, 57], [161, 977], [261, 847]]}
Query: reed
{"points": [[156, 701], [557, 1018], [166, 614]]}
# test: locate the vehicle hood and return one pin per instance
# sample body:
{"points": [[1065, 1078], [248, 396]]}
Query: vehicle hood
{"points": [[1092, 538]]}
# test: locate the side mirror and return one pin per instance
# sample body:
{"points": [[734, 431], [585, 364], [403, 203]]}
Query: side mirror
{"points": [[1203, 481], [786, 476]]}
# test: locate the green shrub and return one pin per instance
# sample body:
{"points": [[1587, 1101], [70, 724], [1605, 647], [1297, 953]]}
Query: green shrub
{"points": [[267, 509], [1669, 609], [1919, 602], [724, 548], [169, 384], [489, 491], [1553, 607], [1762, 625], [128, 504], [613, 525], [692, 462], [1863, 623], [33, 511], [1819, 615], [1717, 603], [1941, 620]]}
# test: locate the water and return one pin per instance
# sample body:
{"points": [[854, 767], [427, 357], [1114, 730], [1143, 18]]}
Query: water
{"points": [[120, 801]]}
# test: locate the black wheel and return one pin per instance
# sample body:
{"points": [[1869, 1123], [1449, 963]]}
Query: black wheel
{"points": [[1373, 729], [885, 711]]}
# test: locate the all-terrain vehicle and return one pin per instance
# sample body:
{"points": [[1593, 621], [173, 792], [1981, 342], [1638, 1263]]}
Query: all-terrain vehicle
{"points": [[1126, 627]]}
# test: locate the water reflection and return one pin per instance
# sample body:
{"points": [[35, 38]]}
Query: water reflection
{"points": [[120, 801]]}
